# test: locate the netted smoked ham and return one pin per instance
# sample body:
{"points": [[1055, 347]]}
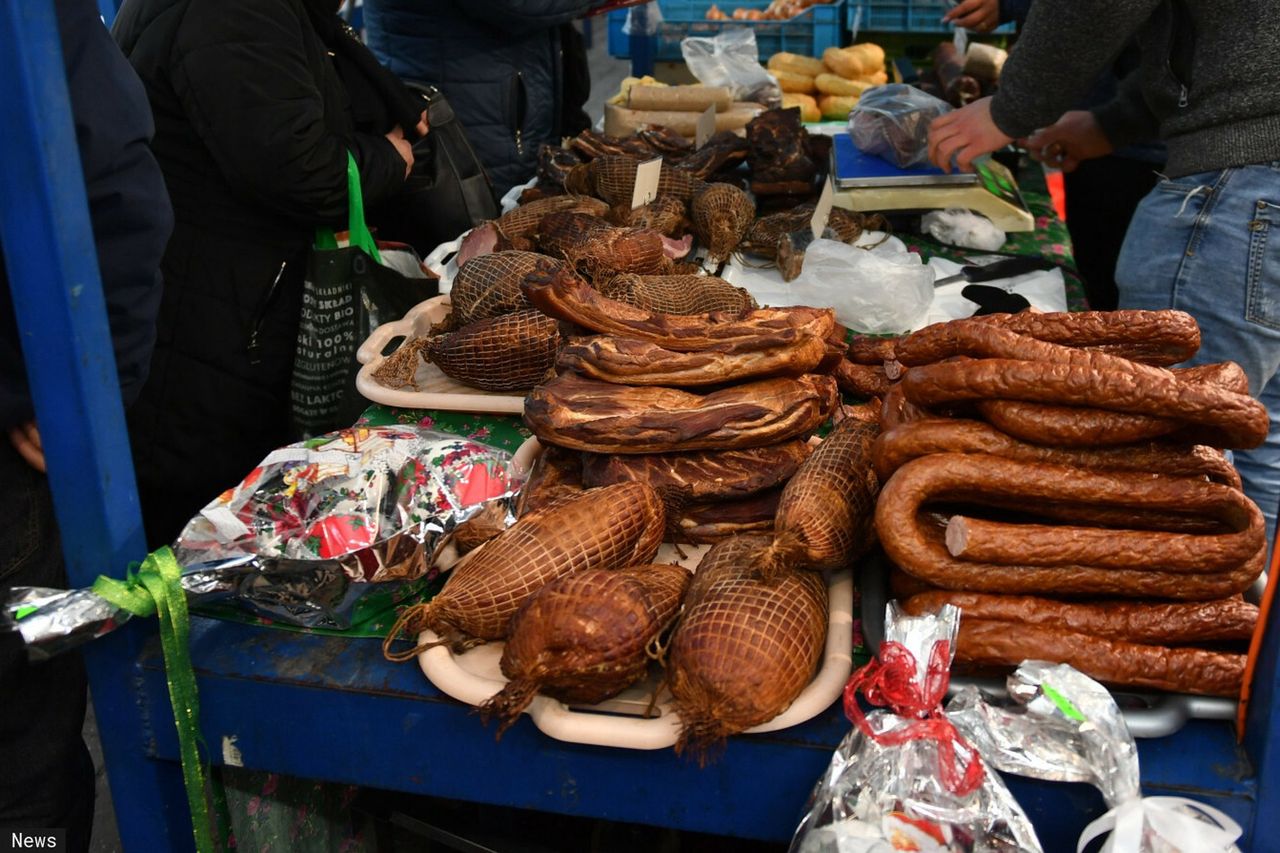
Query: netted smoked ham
{"points": [[916, 547], [595, 247], [825, 515], [1237, 420], [584, 637], [523, 222], [606, 528], [602, 417], [613, 179], [489, 285], [912, 440], [703, 475], [508, 353], [1152, 337], [666, 214], [744, 649], [570, 298], [722, 213], [1180, 670], [1156, 622], [677, 294], [634, 362]]}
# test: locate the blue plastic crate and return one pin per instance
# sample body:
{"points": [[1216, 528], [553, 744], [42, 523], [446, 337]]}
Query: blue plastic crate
{"points": [[902, 16], [810, 33]]}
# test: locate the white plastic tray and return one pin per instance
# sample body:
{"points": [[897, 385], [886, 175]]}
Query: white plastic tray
{"points": [[435, 390], [475, 675]]}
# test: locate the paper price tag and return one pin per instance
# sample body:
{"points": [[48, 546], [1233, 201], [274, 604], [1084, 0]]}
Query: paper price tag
{"points": [[705, 128], [822, 212], [646, 186]]}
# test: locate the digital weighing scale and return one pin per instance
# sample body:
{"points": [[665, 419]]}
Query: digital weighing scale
{"points": [[868, 183]]}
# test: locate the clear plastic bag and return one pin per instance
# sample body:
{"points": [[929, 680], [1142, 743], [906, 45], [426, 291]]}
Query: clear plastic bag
{"points": [[1063, 726], [904, 775], [892, 122], [877, 291], [730, 58]]}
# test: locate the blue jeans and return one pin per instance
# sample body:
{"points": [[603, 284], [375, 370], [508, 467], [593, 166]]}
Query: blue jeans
{"points": [[1203, 244]]}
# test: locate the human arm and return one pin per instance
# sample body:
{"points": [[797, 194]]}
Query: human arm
{"points": [[240, 71], [1127, 118]]}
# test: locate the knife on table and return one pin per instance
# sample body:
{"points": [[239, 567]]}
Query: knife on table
{"points": [[1007, 268]]}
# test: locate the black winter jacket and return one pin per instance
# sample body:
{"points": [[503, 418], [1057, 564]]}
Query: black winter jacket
{"points": [[497, 61], [128, 208], [253, 126]]}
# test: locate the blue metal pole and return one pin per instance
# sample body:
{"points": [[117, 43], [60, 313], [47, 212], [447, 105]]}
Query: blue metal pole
{"points": [[643, 46], [66, 343], [107, 9]]}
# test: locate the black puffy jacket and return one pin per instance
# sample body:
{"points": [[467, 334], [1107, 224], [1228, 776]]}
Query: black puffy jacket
{"points": [[253, 126], [497, 61]]}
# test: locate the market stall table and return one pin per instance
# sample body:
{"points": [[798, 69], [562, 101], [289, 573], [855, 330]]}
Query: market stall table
{"points": [[330, 707]]}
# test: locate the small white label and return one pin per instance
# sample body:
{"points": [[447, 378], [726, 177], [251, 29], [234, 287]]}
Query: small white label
{"points": [[230, 752], [646, 187], [822, 212], [961, 40], [705, 128]]}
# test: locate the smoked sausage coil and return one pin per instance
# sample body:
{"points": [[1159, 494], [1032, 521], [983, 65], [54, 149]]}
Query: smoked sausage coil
{"points": [[1072, 426], [1240, 420], [908, 441], [1055, 545], [1152, 337], [1117, 518], [1157, 622], [1180, 670], [982, 340], [961, 477]]}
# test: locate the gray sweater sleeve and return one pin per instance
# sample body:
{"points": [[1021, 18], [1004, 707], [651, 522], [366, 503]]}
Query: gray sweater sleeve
{"points": [[1127, 119], [1061, 51]]}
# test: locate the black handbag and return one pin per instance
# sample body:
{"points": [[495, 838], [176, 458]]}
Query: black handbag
{"points": [[447, 191]]}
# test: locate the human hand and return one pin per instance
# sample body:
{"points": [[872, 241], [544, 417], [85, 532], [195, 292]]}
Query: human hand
{"points": [[403, 148], [26, 440], [423, 127], [1074, 137], [981, 16], [965, 134]]}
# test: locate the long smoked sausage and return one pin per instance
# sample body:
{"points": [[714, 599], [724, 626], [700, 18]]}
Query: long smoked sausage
{"points": [[961, 477]]}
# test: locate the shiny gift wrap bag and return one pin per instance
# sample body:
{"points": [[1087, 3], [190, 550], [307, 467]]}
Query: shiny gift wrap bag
{"points": [[903, 778]]}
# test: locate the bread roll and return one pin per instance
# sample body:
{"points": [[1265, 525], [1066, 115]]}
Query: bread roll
{"points": [[836, 106], [870, 55], [878, 79], [844, 63], [796, 64], [789, 81], [834, 84], [808, 106]]}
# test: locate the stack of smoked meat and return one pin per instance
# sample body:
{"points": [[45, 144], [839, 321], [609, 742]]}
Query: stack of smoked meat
{"points": [[1055, 477], [664, 426]]}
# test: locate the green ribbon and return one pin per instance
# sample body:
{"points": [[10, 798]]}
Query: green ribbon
{"points": [[156, 588]]}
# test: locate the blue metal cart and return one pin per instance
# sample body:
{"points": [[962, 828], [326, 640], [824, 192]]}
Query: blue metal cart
{"points": [[330, 708]]}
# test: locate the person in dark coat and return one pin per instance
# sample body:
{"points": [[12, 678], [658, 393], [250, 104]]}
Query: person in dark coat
{"points": [[498, 62], [257, 103], [48, 776]]}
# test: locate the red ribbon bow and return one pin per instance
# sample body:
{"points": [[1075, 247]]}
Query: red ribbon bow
{"points": [[889, 681]]}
